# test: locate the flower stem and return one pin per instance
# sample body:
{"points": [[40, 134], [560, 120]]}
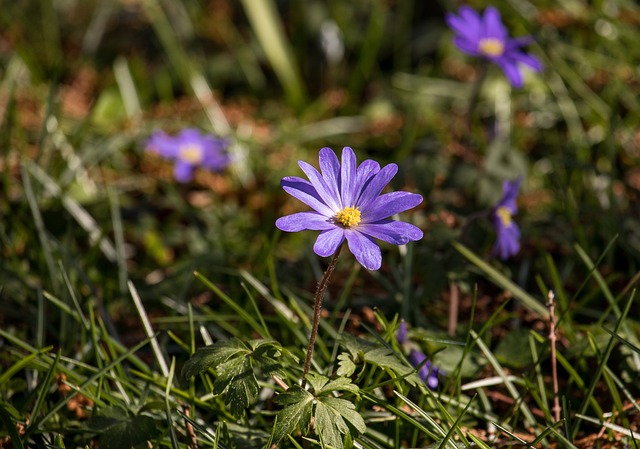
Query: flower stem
{"points": [[317, 307], [475, 94]]}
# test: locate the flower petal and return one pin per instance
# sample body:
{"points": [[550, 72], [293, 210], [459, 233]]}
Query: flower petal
{"points": [[510, 195], [183, 171], [328, 241], [507, 241], [348, 177], [305, 192], [529, 60], [311, 221], [375, 185], [469, 47], [364, 248], [364, 174], [321, 186], [390, 204], [330, 166], [467, 24], [394, 232], [163, 144], [511, 71], [492, 24]]}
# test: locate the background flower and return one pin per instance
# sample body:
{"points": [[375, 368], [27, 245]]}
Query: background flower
{"points": [[427, 372], [507, 231], [190, 149], [487, 37], [347, 205]]}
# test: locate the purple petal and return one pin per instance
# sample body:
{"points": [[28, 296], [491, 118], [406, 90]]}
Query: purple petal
{"points": [[471, 20], [509, 198], [348, 177], [527, 59], [163, 144], [330, 166], [364, 248], [511, 71], [375, 186], [466, 29], [324, 191], [390, 204], [364, 174], [401, 333], [469, 47], [305, 192], [328, 241], [394, 232], [492, 24], [183, 171], [311, 221], [507, 241]]}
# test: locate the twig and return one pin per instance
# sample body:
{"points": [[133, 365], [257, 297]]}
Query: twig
{"points": [[552, 342], [454, 301], [190, 432], [317, 307], [280, 382]]}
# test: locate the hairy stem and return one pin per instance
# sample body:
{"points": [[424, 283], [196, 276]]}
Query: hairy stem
{"points": [[317, 307], [552, 342]]}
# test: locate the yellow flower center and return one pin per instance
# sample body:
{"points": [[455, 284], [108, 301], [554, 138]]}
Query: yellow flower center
{"points": [[505, 216], [491, 46], [191, 153], [348, 217]]}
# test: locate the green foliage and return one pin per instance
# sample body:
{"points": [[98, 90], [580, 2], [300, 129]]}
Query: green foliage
{"points": [[362, 352], [235, 364], [335, 420], [119, 429], [91, 220]]}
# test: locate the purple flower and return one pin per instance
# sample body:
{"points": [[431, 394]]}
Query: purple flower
{"points": [[507, 232], [347, 204], [487, 37], [427, 371], [401, 333], [190, 149]]}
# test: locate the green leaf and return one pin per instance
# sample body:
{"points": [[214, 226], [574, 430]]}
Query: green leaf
{"points": [[346, 367], [378, 355], [338, 384], [120, 430], [335, 419], [330, 416], [297, 412], [235, 364]]}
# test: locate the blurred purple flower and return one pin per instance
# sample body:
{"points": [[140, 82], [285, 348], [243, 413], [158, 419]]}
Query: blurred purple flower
{"points": [[347, 204], [427, 372], [507, 231], [401, 333], [190, 149], [487, 37]]}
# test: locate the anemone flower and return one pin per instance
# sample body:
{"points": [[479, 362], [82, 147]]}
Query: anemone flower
{"points": [[507, 231], [190, 149], [486, 36], [347, 204], [427, 372]]}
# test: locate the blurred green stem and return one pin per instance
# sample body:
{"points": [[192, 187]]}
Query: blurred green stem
{"points": [[475, 94], [317, 307], [266, 24]]}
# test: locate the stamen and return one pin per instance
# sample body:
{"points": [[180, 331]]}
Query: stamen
{"points": [[348, 217], [504, 214], [491, 46], [191, 153]]}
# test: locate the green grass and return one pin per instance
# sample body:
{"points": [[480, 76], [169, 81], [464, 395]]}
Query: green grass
{"points": [[112, 275]]}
